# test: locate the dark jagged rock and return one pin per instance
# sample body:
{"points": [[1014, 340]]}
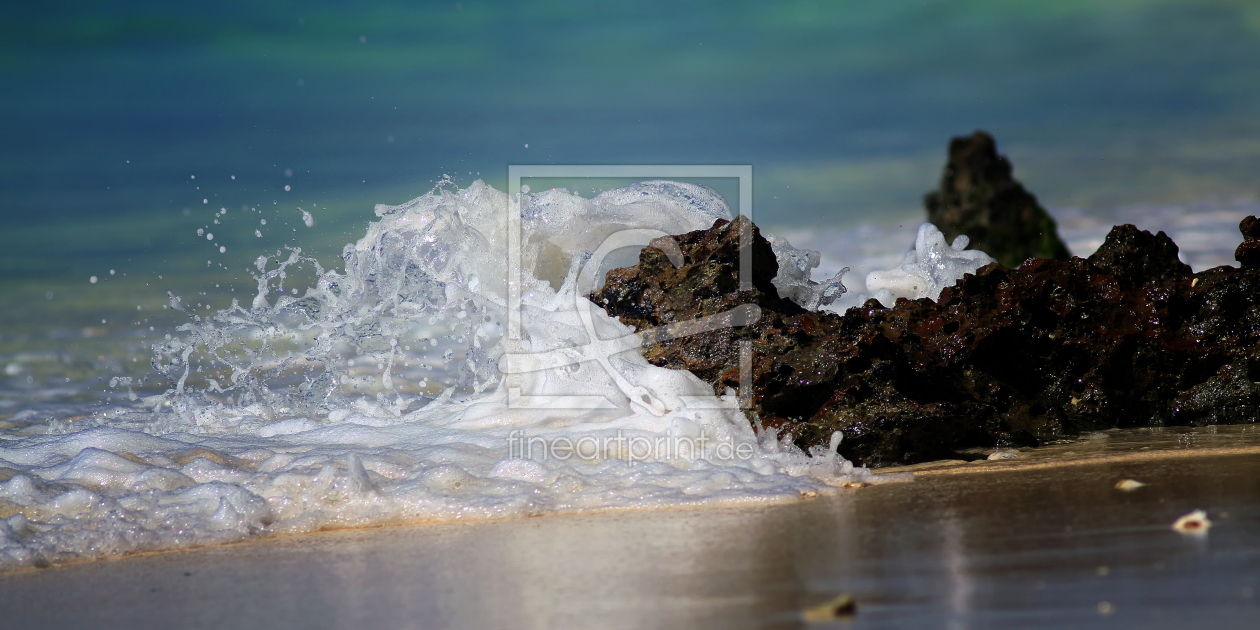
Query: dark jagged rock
{"points": [[1139, 257], [1007, 357], [655, 293], [979, 198], [1248, 252]]}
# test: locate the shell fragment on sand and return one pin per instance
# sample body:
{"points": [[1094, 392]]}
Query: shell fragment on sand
{"points": [[1195, 523]]}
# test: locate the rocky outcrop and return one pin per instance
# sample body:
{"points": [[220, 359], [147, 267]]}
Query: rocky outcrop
{"points": [[979, 198], [1006, 357], [1248, 252]]}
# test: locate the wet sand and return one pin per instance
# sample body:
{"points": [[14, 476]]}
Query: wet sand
{"points": [[1041, 540]]}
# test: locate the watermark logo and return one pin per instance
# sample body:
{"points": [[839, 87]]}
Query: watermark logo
{"points": [[630, 448], [600, 350]]}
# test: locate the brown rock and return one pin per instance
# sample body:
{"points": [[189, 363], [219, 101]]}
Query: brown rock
{"points": [[979, 197], [1139, 257], [1007, 357], [1248, 252]]}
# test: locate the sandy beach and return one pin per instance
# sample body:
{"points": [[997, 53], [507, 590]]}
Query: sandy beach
{"points": [[1045, 539]]}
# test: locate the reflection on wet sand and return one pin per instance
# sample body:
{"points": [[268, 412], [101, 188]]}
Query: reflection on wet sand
{"points": [[1042, 540]]}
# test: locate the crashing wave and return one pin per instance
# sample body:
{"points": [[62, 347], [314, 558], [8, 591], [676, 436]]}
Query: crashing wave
{"points": [[439, 375]]}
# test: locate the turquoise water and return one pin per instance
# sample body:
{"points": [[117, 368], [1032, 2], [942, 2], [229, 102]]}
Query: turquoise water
{"points": [[844, 109], [129, 126]]}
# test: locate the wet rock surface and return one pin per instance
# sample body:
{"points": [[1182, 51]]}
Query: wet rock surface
{"points": [[1248, 252], [979, 197], [1005, 358]]}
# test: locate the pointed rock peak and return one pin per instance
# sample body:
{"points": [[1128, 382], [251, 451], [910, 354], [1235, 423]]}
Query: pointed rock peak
{"points": [[979, 197], [1139, 257]]}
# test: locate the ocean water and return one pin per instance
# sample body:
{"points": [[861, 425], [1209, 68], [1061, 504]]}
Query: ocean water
{"points": [[448, 370], [152, 152]]}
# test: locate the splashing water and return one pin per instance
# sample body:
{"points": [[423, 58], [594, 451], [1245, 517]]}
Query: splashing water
{"points": [[440, 375], [927, 269], [793, 280]]}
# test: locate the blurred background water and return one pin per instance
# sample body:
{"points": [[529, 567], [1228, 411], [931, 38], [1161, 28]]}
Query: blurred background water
{"points": [[127, 126]]}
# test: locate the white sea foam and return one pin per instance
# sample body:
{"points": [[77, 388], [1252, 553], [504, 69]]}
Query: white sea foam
{"points": [[927, 269], [793, 279], [395, 391]]}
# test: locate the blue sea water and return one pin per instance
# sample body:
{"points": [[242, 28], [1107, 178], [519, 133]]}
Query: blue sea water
{"points": [[843, 109], [126, 127]]}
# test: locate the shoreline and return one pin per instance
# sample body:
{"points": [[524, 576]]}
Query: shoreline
{"points": [[1146, 444], [1122, 447], [1050, 540]]}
